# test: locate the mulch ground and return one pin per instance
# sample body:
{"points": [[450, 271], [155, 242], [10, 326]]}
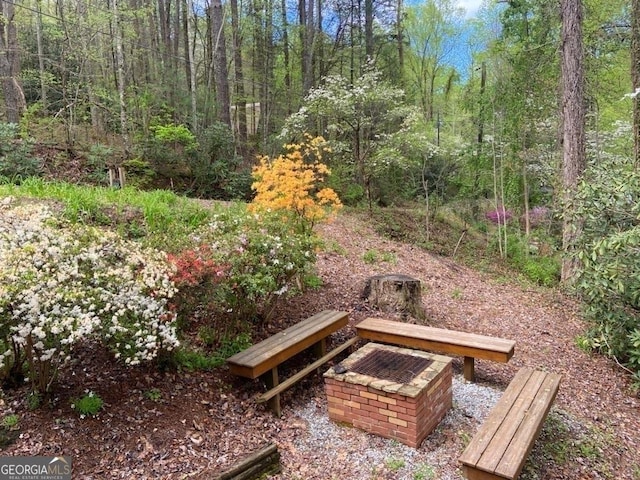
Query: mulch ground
{"points": [[189, 425]]}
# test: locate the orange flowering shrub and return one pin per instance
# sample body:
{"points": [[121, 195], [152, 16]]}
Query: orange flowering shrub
{"points": [[291, 183]]}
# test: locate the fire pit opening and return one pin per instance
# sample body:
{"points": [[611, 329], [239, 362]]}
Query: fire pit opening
{"points": [[389, 365], [390, 391]]}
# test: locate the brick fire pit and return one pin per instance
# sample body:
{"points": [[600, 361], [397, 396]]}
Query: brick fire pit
{"points": [[394, 392]]}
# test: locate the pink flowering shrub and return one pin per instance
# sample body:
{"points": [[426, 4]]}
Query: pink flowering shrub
{"points": [[538, 216], [197, 276], [499, 216]]}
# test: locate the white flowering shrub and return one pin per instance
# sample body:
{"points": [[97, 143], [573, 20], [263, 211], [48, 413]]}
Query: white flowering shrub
{"points": [[62, 284]]}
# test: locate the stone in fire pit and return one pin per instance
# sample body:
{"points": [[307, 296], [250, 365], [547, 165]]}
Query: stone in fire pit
{"points": [[390, 391]]}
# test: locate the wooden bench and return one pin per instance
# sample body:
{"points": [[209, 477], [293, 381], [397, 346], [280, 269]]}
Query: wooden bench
{"points": [[263, 358], [468, 345], [503, 442]]}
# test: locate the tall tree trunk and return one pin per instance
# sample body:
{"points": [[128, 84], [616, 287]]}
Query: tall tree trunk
{"points": [[267, 82], [14, 100], [220, 63], [190, 64], [319, 40], [635, 77], [307, 39], [400, 40], [124, 123], [573, 117], [240, 95], [287, 60], [43, 81], [368, 28]]}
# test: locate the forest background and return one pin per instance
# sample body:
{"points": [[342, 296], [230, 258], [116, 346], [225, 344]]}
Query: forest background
{"points": [[534, 140]]}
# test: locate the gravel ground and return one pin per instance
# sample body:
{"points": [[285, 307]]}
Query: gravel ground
{"points": [[331, 447]]}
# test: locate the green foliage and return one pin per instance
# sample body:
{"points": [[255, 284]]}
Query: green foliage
{"points": [[371, 131], [216, 167], [208, 335], [424, 472], [154, 395], [540, 269], [194, 360], [10, 422], [169, 150], [139, 173], [312, 281], [232, 345], [16, 160], [262, 258], [370, 256], [373, 256], [394, 464], [167, 218], [608, 201], [89, 404], [97, 160], [34, 400], [203, 165], [175, 135]]}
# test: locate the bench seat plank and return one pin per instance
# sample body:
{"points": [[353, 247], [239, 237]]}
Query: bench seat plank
{"points": [[503, 442], [521, 445], [507, 430], [437, 339], [485, 434], [270, 353]]}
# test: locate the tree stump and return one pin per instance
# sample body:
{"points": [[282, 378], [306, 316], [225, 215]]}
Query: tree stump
{"points": [[395, 293]]}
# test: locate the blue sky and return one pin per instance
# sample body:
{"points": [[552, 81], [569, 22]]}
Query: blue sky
{"points": [[470, 6]]}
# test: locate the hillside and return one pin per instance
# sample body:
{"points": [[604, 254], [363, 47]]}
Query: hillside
{"points": [[188, 425]]}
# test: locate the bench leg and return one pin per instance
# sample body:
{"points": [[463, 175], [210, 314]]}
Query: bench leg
{"points": [[469, 369], [270, 378], [320, 348]]}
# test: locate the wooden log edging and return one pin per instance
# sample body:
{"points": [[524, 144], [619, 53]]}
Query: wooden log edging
{"points": [[265, 461]]}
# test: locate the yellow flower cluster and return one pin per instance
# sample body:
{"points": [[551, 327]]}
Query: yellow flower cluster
{"points": [[291, 183]]}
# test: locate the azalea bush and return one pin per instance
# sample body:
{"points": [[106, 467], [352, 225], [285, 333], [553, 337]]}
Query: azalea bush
{"points": [[62, 284], [260, 259], [292, 184], [197, 277]]}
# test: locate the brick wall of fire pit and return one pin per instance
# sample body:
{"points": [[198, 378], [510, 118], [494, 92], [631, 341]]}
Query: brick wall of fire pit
{"points": [[406, 411]]}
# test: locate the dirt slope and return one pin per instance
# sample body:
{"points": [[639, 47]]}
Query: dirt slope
{"points": [[197, 423]]}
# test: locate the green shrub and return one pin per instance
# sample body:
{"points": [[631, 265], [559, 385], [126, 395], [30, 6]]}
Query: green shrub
{"points": [[97, 160], [370, 256], [543, 271], [194, 360], [540, 269], [608, 250], [16, 160], [138, 173], [89, 404], [10, 421]]}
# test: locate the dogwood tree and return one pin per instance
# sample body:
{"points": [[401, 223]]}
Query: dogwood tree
{"points": [[367, 124]]}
